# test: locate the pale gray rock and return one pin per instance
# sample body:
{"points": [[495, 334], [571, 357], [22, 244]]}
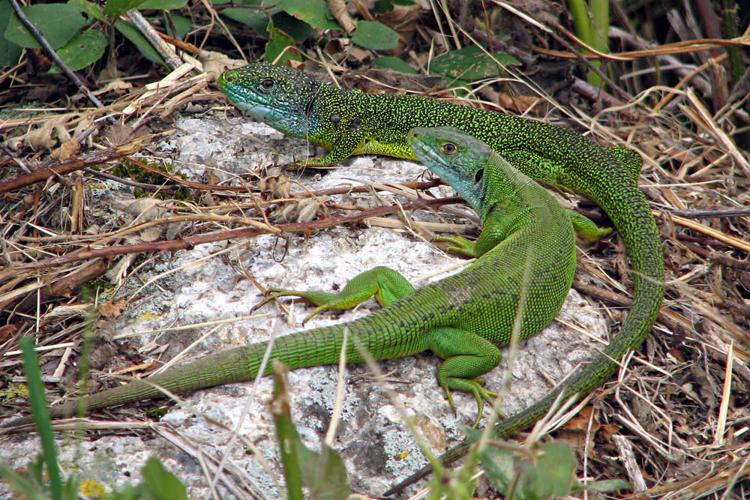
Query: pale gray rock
{"points": [[205, 284]]}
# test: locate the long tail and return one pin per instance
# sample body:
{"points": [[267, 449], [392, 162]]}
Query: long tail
{"points": [[315, 347], [628, 209]]}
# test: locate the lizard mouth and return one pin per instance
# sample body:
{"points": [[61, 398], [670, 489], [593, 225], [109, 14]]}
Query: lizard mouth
{"points": [[426, 153], [256, 105], [424, 146], [241, 97]]}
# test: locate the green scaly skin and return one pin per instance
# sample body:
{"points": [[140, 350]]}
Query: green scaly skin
{"points": [[528, 241], [352, 122]]}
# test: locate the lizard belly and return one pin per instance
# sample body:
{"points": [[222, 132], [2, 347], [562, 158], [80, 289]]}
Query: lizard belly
{"points": [[395, 150]]}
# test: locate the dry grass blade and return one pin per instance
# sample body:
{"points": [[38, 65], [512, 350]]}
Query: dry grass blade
{"points": [[676, 420]]}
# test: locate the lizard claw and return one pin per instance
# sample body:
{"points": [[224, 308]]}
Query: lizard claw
{"points": [[459, 245], [449, 397], [480, 394]]}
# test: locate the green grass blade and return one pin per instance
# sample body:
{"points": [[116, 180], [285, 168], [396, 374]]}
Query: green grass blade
{"points": [[41, 415]]}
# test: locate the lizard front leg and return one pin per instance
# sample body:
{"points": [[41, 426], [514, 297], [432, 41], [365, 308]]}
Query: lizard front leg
{"points": [[383, 283], [348, 140]]}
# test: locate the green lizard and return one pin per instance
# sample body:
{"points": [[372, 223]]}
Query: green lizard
{"points": [[527, 241], [352, 122]]}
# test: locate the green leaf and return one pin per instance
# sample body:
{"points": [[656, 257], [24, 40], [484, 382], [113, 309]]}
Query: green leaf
{"points": [[116, 8], [84, 49], [161, 484], [89, 8], [255, 18], [394, 63], [137, 39], [299, 30], [604, 486], [21, 484], [58, 22], [269, 5], [469, 63], [126, 492], [163, 4], [554, 471], [324, 473], [386, 5], [9, 51], [374, 35], [278, 41], [313, 12], [498, 464], [40, 412], [182, 25]]}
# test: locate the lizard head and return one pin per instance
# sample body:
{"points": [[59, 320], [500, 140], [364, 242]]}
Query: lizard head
{"points": [[279, 96], [457, 158]]}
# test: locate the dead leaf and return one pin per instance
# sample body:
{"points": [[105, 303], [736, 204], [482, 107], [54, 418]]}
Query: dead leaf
{"points": [[118, 134], [214, 63], [403, 20], [85, 121], [341, 14], [523, 103], [142, 208], [111, 309], [308, 209], [581, 421], [68, 150], [41, 137], [361, 55], [277, 184], [6, 331], [117, 86]]}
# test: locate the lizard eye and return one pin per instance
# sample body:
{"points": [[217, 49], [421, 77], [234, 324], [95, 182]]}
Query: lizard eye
{"points": [[267, 83], [449, 148], [478, 175]]}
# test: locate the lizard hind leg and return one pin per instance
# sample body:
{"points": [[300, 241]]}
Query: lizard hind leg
{"points": [[586, 228], [466, 356], [383, 283]]}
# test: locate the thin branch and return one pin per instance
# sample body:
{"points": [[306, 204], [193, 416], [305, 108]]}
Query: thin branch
{"points": [[5, 149], [246, 232], [719, 212], [68, 166], [153, 37]]}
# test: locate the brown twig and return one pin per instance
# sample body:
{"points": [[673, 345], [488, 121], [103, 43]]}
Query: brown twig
{"points": [[191, 241], [13, 157], [714, 233], [685, 46], [65, 286], [65, 167], [718, 257], [148, 31], [718, 212], [669, 318], [244, 189], [494, 44]]}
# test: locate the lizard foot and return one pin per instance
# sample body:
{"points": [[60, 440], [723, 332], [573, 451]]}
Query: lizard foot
{"points": [[459, 245], [320, 299], [474, 387]]}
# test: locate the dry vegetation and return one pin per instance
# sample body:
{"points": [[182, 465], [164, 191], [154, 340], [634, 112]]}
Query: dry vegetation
{"points": [[676, 423]]}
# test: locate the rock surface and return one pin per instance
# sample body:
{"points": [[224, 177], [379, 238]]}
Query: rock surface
{"points": [[207, 284]]}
